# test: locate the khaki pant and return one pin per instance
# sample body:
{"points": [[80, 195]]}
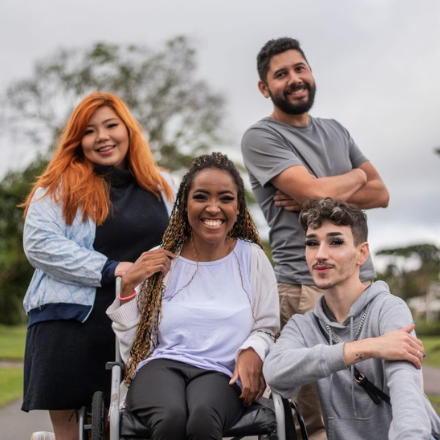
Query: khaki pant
{"points": [[302, 299]]}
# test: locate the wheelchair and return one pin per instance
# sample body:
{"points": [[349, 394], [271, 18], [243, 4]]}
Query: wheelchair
{"points": [[268, 418]]}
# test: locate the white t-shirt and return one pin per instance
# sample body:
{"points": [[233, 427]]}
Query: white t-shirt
{"points": [[206, 322]]}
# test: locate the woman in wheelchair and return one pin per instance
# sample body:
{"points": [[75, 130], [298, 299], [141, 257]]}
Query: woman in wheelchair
{"points": [[195, 318]]}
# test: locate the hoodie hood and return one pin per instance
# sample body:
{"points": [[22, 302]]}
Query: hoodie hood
{"points": [[323, 313]]}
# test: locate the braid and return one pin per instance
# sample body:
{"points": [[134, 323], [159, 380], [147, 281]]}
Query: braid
{"points": [[179, 230]]}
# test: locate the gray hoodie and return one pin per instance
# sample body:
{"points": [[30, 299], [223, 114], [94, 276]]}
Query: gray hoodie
{"points": [[302, 355]]}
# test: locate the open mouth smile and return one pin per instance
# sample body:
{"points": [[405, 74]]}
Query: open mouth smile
{"points": [[212, 223], [296, 91], [106, 149]]}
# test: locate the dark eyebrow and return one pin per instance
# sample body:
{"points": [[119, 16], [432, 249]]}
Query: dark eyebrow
{"points": [[104, 122], [204, 191], [301, 63], [310, 235], [334, 234], [330, 234]]}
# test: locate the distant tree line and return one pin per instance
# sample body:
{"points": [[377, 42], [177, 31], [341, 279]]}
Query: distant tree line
{"points": [[411, 269]]}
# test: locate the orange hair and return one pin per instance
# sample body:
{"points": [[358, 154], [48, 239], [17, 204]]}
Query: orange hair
{"points": [[69, 176]]}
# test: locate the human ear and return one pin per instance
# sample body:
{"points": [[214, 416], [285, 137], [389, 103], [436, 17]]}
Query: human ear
{"points": [[263, 88], [363, 253]]}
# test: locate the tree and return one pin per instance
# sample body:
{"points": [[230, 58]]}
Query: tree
{"points": [[178, 111], [15, 271], [411, 269]]}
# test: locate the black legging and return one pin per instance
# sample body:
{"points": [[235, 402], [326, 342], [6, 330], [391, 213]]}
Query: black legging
{"points": [[177, 401]]}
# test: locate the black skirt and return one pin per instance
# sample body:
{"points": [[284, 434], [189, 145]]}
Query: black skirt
{"points": [[65, 360]]}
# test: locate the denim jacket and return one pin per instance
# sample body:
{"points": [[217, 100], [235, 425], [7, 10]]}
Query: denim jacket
{"points": [[67, 268]]}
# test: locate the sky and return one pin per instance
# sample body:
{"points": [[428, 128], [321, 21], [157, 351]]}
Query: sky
{"points": [[376, 64]]}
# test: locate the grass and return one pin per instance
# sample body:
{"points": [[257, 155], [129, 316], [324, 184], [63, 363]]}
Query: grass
{"points": [[12, 341], [435, 400], [432, 350], [11, 384]]}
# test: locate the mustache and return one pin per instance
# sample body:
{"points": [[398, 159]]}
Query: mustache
{"points": [[321, 263], [295, 87]]}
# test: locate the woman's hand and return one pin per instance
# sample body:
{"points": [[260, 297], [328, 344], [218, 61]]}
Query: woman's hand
{"points": [[146, 265], [249, 369], [122, 267]]}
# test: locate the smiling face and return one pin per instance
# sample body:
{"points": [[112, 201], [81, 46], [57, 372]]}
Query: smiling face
{"points": [[106, 139], [332, 257], [289, 83], [212, 209]]}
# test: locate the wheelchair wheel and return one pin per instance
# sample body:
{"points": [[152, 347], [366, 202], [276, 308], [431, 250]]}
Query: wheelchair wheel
{"points": [[98, 408], [289, 421]]}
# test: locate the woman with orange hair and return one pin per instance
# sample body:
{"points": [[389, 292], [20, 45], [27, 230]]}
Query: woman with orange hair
{"points": [[100, 203]]}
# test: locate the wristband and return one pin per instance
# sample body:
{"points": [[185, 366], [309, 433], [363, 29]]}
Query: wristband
{"points": [[127, 297]]}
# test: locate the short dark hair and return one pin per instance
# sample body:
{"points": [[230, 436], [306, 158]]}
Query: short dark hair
{"points": [[340, 213], [272, 48]]}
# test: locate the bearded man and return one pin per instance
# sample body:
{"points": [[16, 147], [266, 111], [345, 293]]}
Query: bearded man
{"points": [[292, 156]]}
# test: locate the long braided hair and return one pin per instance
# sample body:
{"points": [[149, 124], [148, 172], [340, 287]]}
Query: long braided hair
{"points": [[175, 235]]}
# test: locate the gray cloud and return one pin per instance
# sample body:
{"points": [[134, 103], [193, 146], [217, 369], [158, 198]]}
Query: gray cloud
{"points": [[376, 64]]}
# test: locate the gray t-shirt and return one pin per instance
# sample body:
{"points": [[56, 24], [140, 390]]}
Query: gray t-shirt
{"points": [[269, 147]]}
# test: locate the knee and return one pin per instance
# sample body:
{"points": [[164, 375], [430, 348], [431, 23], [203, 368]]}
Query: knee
{"points": [[203, 423], [170, 424]]}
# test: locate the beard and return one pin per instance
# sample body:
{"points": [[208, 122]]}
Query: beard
{"points": [[283, 103]]}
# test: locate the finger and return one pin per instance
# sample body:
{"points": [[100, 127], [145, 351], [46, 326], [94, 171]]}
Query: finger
{"points": [[234, 376], [409, 328], [262, 387], [417, 359], [292, 208], [168, 253]]}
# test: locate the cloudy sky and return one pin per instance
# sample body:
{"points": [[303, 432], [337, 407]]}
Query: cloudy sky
{"points": [[376, 63]]}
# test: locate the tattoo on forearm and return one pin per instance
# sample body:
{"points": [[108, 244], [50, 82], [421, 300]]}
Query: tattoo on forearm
{"points": [[359, 357]]}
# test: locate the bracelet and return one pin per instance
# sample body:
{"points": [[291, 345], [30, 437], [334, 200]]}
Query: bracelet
{"points": [[127, 297]]}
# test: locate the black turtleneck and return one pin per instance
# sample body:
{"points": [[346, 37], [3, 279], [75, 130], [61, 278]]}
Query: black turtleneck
{"points": [[136, 221]]}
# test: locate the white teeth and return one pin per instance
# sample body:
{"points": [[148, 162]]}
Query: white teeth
{"points": [[106, 148], [296, 92], [212, 222]]}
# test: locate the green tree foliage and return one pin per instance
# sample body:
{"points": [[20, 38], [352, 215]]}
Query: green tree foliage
{"points": [[15, 271], [180, 113], [411, 269]]}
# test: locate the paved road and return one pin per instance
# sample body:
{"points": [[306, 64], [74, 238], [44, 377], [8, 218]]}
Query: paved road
{"points": [[17, 425]]}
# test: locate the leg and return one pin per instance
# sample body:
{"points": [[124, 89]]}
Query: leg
{"points": [[65, 424], [213, 406], [157, 396], [302, 299], [289, 296]]}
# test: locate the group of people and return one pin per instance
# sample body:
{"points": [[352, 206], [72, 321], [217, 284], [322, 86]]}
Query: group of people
{"points": [[200, 307]]}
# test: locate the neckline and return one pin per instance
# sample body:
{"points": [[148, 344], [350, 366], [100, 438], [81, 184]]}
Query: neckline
{"points": [[209, 263], [116, 176], [299, 127]]}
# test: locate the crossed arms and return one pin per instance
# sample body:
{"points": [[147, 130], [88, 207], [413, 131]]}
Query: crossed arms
{"points": [[362, 186]]}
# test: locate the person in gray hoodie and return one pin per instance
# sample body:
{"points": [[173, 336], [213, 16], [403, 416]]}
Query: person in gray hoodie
{"points": [[358, 344]]}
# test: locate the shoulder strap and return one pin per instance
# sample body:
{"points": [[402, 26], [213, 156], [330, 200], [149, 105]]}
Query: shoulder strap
{"points": [[376, 394]]}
